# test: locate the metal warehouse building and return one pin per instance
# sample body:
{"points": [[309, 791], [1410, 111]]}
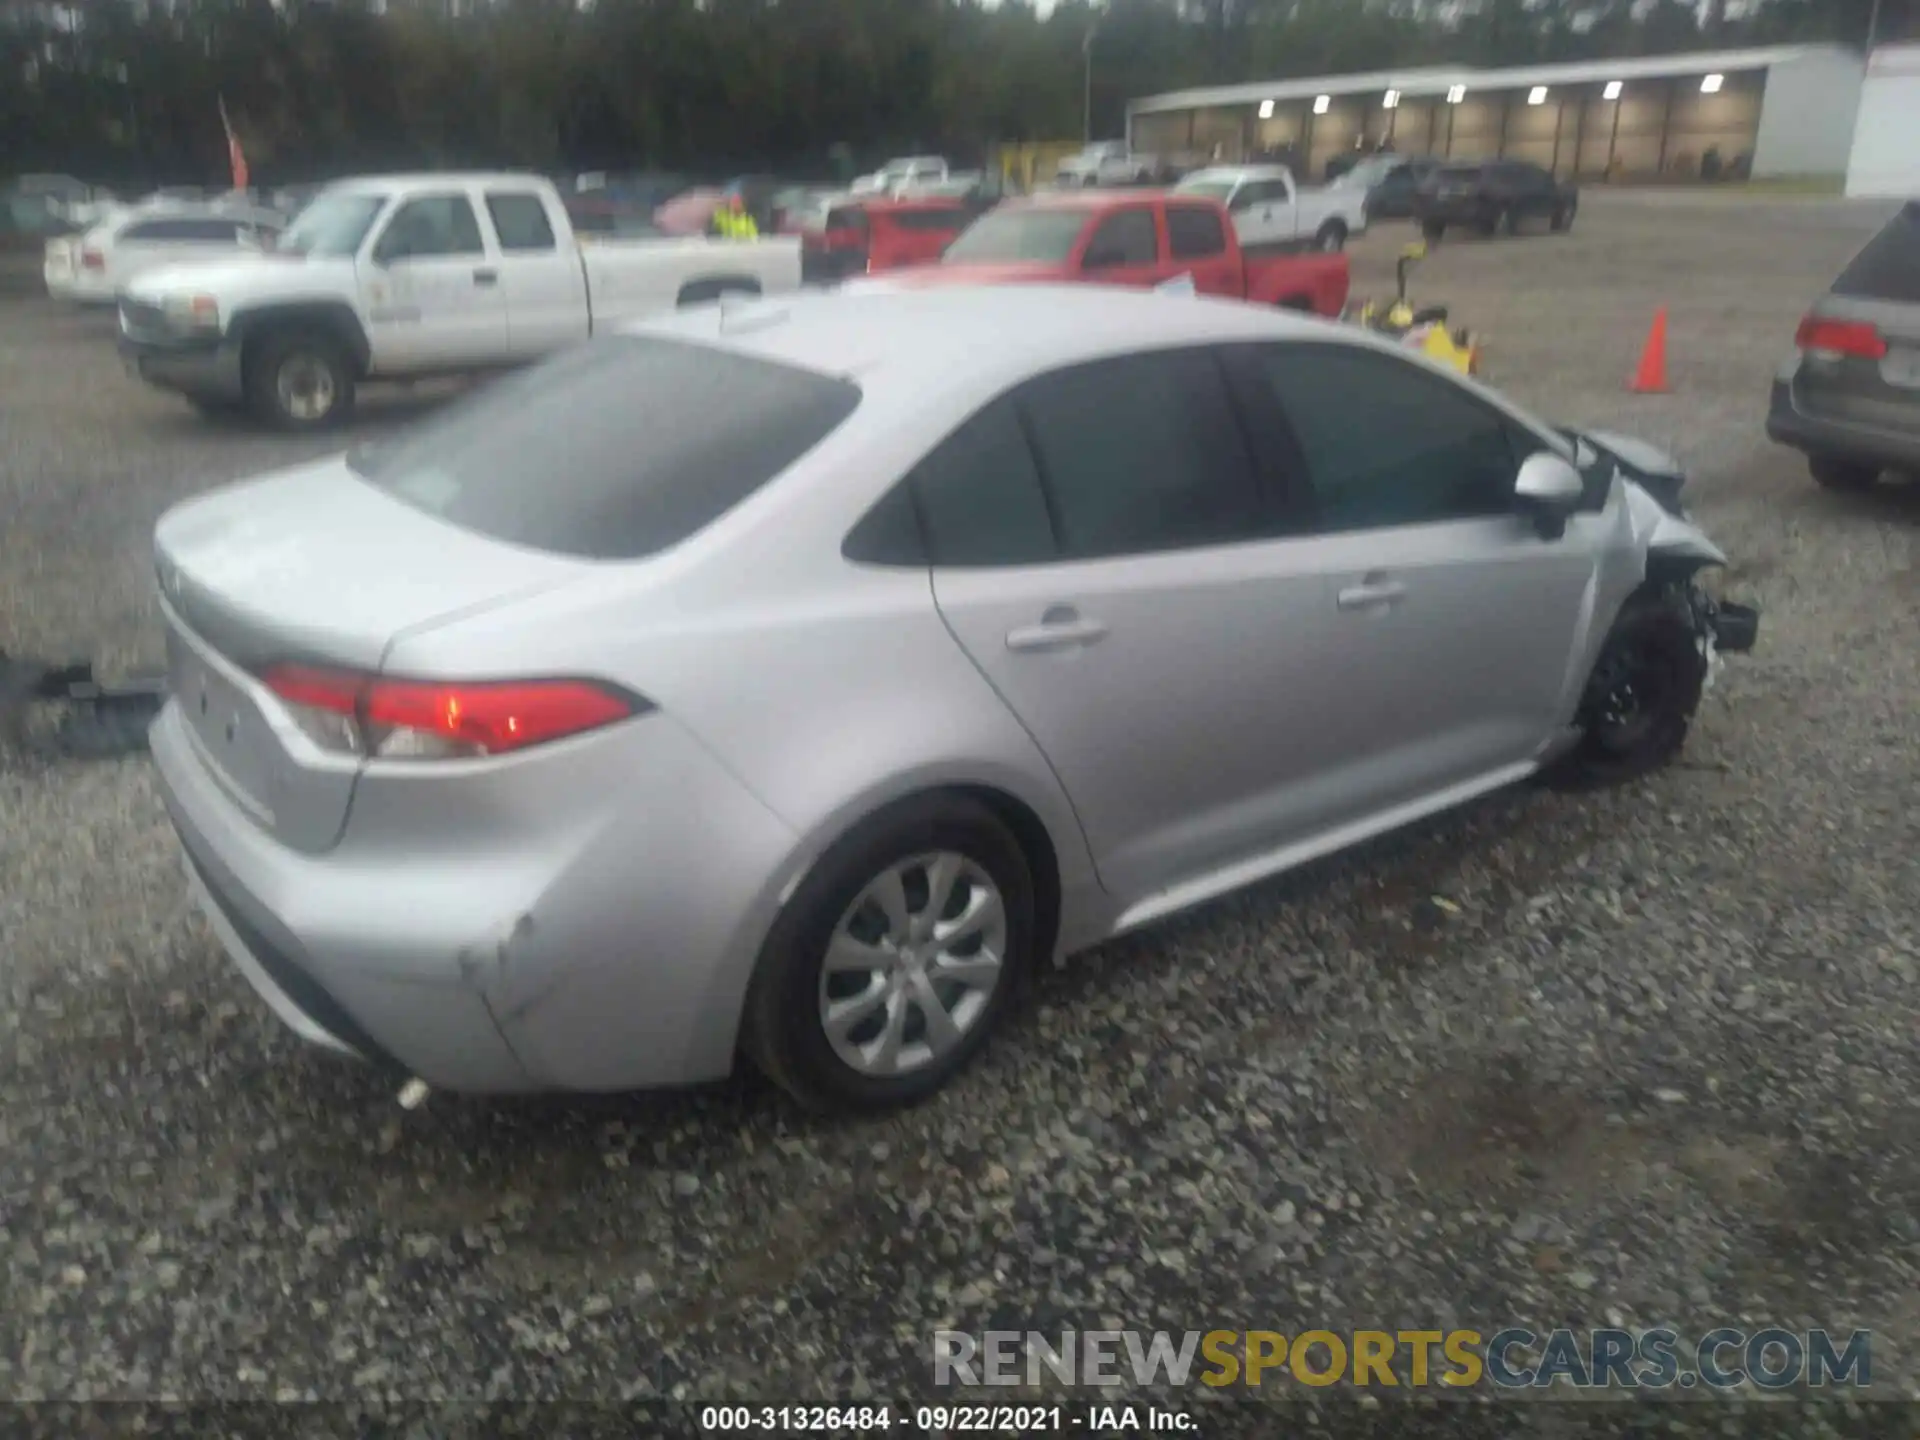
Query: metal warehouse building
{"points": [[1786, 110]]}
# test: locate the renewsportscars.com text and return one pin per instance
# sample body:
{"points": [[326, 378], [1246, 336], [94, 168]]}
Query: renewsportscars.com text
{"points": [[1513, 1358]]}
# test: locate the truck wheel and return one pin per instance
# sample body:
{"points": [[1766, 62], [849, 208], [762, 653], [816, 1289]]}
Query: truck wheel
{"points": [[299, 380], [1563, 215], [1331, 237]]}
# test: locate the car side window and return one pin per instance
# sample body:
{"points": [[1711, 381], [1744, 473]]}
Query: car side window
{"points": [[1195, 233], [1142, 453], [431, 225], [1386, 443], [1128, 238], [520, 221], [980, 497]]}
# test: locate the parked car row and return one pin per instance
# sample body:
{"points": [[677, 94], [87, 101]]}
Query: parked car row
{"points": [[409, 277]]}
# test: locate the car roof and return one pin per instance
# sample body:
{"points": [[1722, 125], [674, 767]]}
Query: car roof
{"points": [[385, 183], [908, 338], [1080, 199]]}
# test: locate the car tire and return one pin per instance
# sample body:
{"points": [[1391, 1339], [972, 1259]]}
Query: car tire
{"points": [[785, 1027], [299, 380], [1562, 220], [1510, 219], [1843, 475], [1432, 231], [1330, 238], [1640, 699]]}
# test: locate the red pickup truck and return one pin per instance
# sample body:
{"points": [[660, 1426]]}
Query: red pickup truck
{"points": [[869, 235], [1141, 239]]}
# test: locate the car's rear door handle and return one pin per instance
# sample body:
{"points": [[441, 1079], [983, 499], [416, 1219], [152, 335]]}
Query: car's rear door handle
{"points": [[1061, 628], [486, 277], [1372, 594]]}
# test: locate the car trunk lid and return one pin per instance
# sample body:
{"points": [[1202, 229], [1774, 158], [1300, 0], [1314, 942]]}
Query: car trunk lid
{"points": [[311, 566]]}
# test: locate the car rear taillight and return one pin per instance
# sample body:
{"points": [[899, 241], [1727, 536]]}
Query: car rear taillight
{"points": [[92, 260], [1835, 338], [382, 719]]}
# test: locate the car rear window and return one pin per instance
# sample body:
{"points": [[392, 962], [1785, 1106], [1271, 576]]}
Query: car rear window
{"points": [[613, 450], [1889, 267]]}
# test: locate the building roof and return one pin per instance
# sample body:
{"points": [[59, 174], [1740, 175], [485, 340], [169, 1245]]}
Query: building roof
{"points": [[1437, 79]]}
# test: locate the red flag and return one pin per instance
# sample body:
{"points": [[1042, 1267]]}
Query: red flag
{"points": [[236, 157]]}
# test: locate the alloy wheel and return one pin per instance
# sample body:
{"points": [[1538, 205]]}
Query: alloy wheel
{"points": [[913, 964]]}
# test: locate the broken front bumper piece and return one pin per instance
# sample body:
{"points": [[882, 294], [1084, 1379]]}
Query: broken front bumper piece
{"points": [[1735, 627], [99, 721]]}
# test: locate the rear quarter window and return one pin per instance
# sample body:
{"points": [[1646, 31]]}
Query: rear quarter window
{"points": [[614, 450], [1889, 267]]}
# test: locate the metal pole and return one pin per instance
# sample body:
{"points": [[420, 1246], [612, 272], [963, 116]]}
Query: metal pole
{"points": [[1086, 50], [1873, 27]]}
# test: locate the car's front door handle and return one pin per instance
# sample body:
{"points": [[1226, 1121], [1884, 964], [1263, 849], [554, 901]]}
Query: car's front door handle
{"points": [[1372, 595], [1061, 628], [486, 277]]}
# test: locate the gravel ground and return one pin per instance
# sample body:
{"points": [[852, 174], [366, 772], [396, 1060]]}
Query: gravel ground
{"points": [[1650, 1063]]}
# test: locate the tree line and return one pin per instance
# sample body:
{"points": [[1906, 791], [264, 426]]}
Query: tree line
{"points": [[128, 91]]}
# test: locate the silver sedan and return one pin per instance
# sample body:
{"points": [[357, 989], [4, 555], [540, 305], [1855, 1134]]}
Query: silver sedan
{"points": [[791, 678]]}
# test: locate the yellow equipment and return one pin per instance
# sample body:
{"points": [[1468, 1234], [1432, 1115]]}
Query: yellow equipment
{"points": [[1424, 329]]}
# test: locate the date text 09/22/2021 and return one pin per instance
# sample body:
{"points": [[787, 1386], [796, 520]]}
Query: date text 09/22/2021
{"points": [[1095, 1419]]}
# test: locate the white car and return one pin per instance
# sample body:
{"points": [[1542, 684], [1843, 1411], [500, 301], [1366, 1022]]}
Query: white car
{"points": [[902, 174], [93, 267], [406, 277], [1106, 162], [1270, 210]]}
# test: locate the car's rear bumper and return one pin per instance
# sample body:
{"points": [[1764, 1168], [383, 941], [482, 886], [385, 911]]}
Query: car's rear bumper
{"points": [[549, 925], [204, 369], [253, 899], [1788, 424]]}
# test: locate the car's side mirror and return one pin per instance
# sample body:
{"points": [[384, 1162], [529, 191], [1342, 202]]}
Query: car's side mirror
{"points": [[1548, 489]]}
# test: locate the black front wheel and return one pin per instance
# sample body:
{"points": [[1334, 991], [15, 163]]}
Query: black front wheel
{"points": [[1642, 694], [1432, 230], [1563, 216]]}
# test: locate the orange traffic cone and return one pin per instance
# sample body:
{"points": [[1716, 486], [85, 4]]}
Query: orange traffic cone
{"points": [[1651, 377]]}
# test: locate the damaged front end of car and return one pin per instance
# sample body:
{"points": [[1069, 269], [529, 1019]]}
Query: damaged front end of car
{"points": [[1678, 550]]}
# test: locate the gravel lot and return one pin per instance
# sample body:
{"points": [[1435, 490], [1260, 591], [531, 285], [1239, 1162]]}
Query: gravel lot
{"points": [[1652, 1063]]}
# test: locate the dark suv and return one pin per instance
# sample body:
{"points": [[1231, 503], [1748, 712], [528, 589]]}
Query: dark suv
{"points": [[1849, 398], [1492, 195]]}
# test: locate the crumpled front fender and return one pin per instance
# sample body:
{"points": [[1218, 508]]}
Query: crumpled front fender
{"points": [[1667, 536]]}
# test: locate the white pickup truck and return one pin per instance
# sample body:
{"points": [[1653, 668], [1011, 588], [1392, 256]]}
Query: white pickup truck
{"points": [[408, 277], [1271, 212], [1106, 162]]}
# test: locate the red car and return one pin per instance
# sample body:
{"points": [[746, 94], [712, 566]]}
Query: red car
{"points": [[1135, 239], [865, 237]]}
